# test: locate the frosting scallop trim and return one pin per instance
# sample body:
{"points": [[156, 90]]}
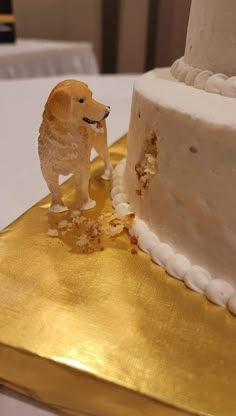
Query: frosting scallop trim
{"points": [[204, 80], [194, 277]]}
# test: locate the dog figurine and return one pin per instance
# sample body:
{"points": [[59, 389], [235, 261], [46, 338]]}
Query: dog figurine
{"points": [[73, 122]]}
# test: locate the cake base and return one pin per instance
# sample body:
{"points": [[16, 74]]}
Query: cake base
{"points": [[107, 333]]}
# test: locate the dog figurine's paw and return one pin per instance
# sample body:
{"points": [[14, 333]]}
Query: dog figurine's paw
{"points": [[57, 208], [88, 205], [107, 175]]}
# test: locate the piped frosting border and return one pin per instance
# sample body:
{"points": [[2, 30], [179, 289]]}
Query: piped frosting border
{"points": [[195, 277], [204, 80]]}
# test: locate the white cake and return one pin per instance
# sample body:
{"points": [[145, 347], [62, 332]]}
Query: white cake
{"points": [[180, 174], [209, 62]]}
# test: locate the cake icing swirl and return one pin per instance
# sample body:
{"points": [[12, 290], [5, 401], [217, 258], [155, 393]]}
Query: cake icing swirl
{"points": [[195, 277], [204, 79]]}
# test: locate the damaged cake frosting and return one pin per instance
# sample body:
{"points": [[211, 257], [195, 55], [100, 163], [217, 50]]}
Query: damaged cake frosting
{"points": [[177, 265]]}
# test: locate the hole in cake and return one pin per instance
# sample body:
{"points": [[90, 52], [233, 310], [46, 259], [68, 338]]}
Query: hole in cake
{"points": [[139, 114], [147, 167], [193, 149]]}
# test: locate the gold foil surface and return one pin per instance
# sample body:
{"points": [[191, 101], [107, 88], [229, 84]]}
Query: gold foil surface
{"points": [[107, 333]]}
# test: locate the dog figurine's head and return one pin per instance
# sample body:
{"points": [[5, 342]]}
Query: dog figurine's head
{"points": [[71, 101]]}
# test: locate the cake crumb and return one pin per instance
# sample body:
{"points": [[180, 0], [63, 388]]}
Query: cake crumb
{"points": [[53, 232], [107, 214], [128, 219], [88, 233], [62, 224], [150, 165], [82, 240], [138, 192], [133, 240], [91, 223], [134, 251], [115, 222], [115, 230]]}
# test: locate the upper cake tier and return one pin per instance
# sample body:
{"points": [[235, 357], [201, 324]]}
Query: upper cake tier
{"points": [[210, 54]]}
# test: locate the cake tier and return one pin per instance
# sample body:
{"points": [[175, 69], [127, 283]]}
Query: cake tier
{"points": [[209, 61], [188, 197], [211, 37]]}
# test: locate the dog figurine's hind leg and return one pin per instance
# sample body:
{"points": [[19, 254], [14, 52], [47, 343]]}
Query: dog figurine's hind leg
{"points": [[52, 180], [100, 145], [82, 175]]}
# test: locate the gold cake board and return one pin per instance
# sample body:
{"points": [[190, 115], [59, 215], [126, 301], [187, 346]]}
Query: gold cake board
{"points": [[107, 333]]}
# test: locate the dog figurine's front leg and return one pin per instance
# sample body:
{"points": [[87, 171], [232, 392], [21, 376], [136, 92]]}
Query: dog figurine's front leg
{"points": [[100, 145], [84, 202], [51, 179], [107, 164]]}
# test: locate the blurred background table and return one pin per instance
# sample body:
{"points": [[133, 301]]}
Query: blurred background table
{"points": [[38, 58], [21, 181]]}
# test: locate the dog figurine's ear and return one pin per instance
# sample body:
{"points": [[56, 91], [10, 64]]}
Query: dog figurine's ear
{"points": [[59, 105]]}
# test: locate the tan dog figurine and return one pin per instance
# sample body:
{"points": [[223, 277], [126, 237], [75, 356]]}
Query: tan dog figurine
{"points": [[73, 122]]}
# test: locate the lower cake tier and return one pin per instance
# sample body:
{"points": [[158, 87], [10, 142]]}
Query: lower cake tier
{"points": [[180, 173]]}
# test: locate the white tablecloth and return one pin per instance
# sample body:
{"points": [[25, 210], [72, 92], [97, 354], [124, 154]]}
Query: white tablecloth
{"points": [[41, 58], [21, 182]]}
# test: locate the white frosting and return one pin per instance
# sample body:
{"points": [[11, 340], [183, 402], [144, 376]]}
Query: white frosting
{"points": [[119, 170], [147, 240], [119, 198], [219, 292], [232, 303], [123, 209], [160, 253], [196, 159], [190, 201], [177, 266], [138, 227], [204, 79], [209, 59], [195, 277], [117, 190], [117, 182], [211, 36]]}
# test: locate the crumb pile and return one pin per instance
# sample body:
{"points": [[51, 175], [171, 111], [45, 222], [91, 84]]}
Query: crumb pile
{"points": [[89, 234]]}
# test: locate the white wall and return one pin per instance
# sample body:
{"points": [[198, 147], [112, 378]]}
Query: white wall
{"points": [[60, 20], [82, 20]]}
